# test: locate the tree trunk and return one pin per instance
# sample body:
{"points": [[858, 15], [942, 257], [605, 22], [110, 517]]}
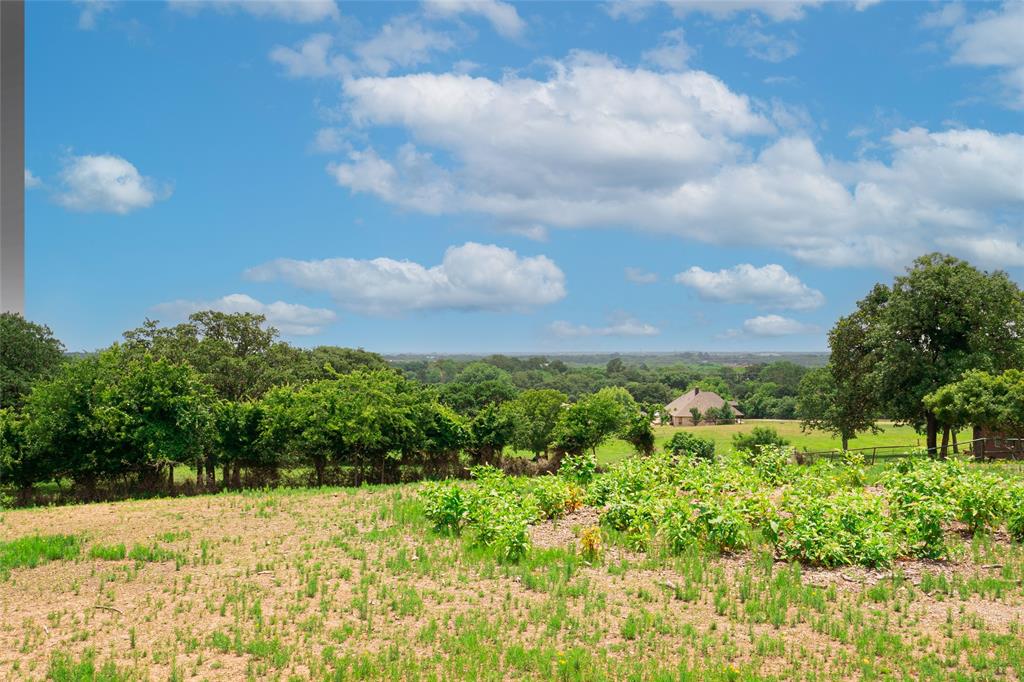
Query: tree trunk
{"points": [[956, 447], [945, 441], [319, 463], [846, 442], [932, 434], [170, 479], [226, 475], [236, 476], [211, 474]]}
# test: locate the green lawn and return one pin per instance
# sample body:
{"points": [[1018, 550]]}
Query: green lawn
{"points": [[811, 441]]}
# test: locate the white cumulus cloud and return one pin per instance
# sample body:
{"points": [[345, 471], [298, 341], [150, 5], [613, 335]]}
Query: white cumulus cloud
{"points": [[106, 183], [402, 42], [996, 250], [994, 38], [671, 52], [329, 141], [470, 277], [597, 145], [289, 318], [311, 58], [776, 325], [31, 181], [769, 286], [502, 16]]}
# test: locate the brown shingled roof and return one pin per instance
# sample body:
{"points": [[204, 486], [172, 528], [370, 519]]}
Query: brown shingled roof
{"points": [[702, 400]]}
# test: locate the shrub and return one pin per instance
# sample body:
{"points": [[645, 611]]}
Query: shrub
{"points": [[1015, 513], [686, 443], [713, 522], [922, 496], [579, 468], [553, 495], [679, 526], [445, 506], [981, 501], [848, 527], [590, 542], [773, 463], [760, 435]]}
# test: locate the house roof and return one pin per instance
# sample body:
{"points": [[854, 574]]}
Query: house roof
{"points": [[702, 400]]}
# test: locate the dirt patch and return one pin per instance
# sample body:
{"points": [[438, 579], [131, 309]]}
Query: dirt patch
{"points": [[561, 533]]}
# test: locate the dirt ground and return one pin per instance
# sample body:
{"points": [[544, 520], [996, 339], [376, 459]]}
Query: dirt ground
{"points": [[337, 584]]}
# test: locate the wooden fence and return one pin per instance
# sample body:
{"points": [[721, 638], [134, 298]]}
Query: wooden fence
{"points": [[979, 448]]}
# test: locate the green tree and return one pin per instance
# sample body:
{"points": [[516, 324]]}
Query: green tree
{"points": [[237, 354], [695, 415], [490, 432], [444, 434], [637, 432], [117, 414], [366, 420], [593, 419], [28, 352], [18, 467], [982, 399], [478, 385], [326, 362], [842, 411], [237, 442], [535, 415], [938, 321]]}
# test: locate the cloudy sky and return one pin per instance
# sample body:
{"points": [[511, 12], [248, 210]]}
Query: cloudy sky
{"points": [[487, 176]]}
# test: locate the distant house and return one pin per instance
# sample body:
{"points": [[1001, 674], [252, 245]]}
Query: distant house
{"points": [[680, 408]]}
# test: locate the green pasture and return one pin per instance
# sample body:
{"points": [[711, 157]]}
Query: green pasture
{"points": [[809, 441]]}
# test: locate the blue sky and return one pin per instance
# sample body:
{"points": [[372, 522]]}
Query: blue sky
{"points": [[488, 176]]}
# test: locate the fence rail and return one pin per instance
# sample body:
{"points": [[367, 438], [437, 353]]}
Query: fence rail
{"points": [[980, 448]]}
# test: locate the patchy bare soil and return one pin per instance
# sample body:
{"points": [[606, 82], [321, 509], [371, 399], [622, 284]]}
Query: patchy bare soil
{"points": [[336, 584]]}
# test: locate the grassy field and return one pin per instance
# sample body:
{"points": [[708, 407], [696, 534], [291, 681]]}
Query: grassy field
{"points": [[811, 441], [352, 584]]}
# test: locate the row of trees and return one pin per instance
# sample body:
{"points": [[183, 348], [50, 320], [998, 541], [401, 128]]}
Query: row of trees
{"points": [[932, 327], [220, 392]]}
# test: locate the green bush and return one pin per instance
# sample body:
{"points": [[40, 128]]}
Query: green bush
{"points": [[579, 468], [922, 495], [848, 527], [444, 505], [714, 523], [773, 463], [981, 501], [553, 494], [686, 443], [1015, 513], [759, 436]]}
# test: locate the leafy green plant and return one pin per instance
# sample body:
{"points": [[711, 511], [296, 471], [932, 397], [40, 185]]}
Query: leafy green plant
{"points": [[758, 436], [579, 468], [553, 494], [1015, 513], [981, 501], [444, 505], [773, 463], [686, 443]]}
